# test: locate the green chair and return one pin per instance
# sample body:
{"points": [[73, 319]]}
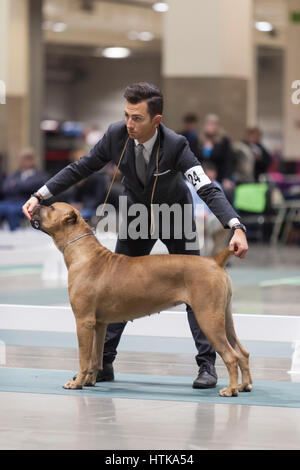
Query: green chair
{"points": [[251, 197], [250, 200]]}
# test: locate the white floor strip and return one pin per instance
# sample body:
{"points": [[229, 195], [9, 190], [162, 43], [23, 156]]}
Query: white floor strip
{"points": [[167, 324]]}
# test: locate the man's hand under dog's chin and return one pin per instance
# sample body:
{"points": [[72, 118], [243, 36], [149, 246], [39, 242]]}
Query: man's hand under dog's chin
{"points": [[238, 244], [29, 206]]}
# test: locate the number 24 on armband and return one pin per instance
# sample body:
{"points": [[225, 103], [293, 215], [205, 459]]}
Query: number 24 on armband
{"points": [[194, 178]]}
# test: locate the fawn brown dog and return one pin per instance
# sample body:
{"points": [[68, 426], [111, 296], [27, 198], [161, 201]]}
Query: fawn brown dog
{"points": [[105, 287]]}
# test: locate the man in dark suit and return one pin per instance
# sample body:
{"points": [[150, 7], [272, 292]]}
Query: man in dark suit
{"points": [[154, 157]]}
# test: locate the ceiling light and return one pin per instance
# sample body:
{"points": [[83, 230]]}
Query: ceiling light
{"points": [[263, 26], [59, 27], [116, 52], [143, 36], [49, 125], [146, 36], [161, 7]]}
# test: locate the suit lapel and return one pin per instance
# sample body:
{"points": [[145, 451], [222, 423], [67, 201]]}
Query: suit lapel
{"points": [[128, 158]]}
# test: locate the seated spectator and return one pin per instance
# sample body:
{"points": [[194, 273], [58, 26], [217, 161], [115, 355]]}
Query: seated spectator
{"points": [[262, 158], [215, 147], [2, 175], [191, 131], [18, 187]]}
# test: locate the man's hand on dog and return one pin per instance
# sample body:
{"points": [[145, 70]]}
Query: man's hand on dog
{"points": [[29, 207], [238, 244]]}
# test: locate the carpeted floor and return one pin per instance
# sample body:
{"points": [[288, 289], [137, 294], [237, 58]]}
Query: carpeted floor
{"points": [[148, 387]]}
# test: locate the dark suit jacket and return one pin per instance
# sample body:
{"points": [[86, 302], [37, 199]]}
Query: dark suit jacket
{"points": [[175, 158]]}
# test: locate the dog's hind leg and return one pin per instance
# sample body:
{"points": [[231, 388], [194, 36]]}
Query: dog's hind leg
{"points": [[212, 324], [243, 354], [97, 354], [85, 334]]}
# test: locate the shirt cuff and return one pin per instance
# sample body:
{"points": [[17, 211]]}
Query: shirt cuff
{"points": [[44, 192], [233, 222]]}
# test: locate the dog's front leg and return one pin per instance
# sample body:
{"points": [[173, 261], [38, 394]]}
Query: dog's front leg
{"points": [[85, 335], [97, 355]]}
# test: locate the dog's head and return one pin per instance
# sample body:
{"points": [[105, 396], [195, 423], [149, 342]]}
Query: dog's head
{"points": [[58, 219]]}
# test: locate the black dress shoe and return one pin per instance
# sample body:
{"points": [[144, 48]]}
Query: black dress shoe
{"points": [[207, 377], [104, 375]]}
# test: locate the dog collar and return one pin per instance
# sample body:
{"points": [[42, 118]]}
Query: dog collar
{"points": [[75, 240]]}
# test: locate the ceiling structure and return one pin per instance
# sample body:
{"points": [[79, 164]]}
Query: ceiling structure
{"points": [[109, 23], [92, 25]]}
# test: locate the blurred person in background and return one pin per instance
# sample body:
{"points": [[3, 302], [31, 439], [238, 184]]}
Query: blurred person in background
{"points": [[190, 131], [89, 193], [2, 175], [92, 136], [18, 187], [262, 158], [243, 163], [215, 147]]}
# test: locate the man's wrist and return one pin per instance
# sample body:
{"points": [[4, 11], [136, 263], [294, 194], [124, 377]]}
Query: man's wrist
{"points": [[38, 196], [239, 226], [233, 221]]}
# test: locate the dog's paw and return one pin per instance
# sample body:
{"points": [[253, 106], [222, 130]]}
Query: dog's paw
{"points": [[72, 385], [229, 392], [90, 380], [245, 387]]}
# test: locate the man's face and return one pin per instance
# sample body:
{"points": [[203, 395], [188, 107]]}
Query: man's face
{"points": [[139, 123], [254, 137]]}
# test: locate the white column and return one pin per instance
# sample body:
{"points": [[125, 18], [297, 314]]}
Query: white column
{"points": [[208, 39], [14, 72]]}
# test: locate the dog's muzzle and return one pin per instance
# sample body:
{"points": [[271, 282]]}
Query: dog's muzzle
{"points": [[35, 224]]}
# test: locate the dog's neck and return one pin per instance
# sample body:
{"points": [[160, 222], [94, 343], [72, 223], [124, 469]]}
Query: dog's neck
{"points": [[70, 250]]}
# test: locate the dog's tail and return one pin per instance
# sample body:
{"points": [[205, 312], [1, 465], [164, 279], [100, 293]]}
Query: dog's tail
{"points": [[222, 258]]}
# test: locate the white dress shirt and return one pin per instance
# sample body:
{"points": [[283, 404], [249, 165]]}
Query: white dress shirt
{"points": [[148, 147]]}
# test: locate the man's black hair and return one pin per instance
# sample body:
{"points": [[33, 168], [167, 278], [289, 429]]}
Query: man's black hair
{"points": [[144, 91]]}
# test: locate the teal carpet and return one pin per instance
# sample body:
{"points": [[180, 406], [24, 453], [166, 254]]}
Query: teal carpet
{"points": [[148, 387]]}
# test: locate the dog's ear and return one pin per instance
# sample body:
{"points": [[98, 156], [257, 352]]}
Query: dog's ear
{"points": [[71, 218]]}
